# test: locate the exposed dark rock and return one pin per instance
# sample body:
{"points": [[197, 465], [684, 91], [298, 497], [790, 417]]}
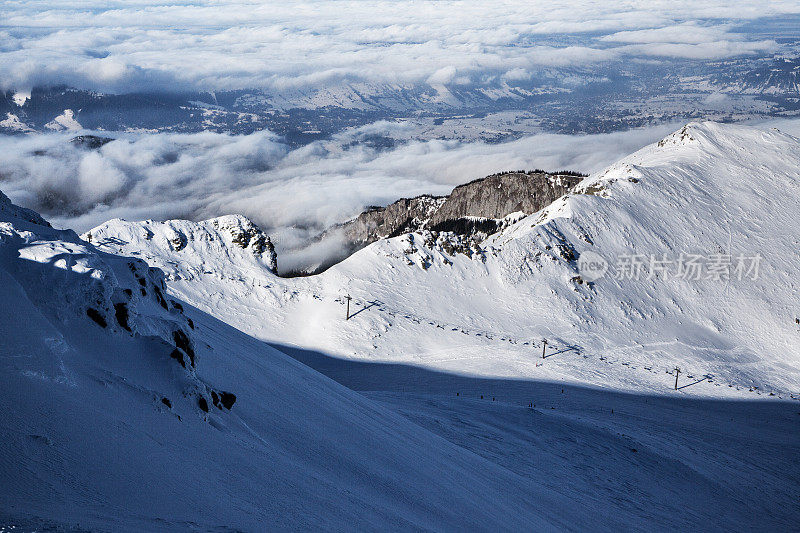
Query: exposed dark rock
{"points": [[227, 399], [90, 142], [403, 216], [202, 403], [182, 341], [178, 356], [160, 297], [95, 315], [121, 314], [499, 195], [166, 402], [178, 241], [263, 245]]}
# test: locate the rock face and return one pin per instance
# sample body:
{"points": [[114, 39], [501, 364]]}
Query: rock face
{"points": [[90, 142], [404, 215], [470, 213], [246, 235], [499, 195]]}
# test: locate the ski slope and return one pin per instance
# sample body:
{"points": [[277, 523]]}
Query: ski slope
{"points": [[707, 189], [431, 408], [102, 428]]}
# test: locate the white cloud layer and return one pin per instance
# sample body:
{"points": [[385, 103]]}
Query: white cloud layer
{"points": [[217, 44], [292, 193]]}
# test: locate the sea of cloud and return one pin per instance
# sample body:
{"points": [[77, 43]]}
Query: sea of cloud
{"points": [[123, 46], [293, 193]]}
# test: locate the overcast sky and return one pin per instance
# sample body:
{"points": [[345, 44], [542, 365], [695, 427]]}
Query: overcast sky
{"points": [[132, 45]]}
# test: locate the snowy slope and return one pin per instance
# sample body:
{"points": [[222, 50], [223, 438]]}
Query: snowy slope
{"points": [[64, 121], [453, 342], [707, 189], [14, 124], [103, 430], [429, 441]]}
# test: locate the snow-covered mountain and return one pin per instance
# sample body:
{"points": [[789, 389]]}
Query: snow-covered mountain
{"points": [[699, 236], [104, 430], [467, 215], [445, 415], [225, 246], [64, 121], [724, 193]]}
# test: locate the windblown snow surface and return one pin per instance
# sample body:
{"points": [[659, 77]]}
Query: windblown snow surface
{"points": [[441, 413]]}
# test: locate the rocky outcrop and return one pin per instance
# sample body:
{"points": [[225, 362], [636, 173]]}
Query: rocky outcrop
{"points": [[90, 142], [469, 214], [246, 235], [499, 195], [404, 215]]}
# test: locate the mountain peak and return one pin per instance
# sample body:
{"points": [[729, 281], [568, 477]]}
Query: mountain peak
{"points": [[682, 137], [228, 245]]}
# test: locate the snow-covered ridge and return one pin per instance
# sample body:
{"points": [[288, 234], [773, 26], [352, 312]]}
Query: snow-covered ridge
{"points": [[11, 211], [720, 192], [72, 282], [230, 246]]}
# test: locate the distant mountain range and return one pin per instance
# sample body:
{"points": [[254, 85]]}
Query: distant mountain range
{"points": [[565, 100]]}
